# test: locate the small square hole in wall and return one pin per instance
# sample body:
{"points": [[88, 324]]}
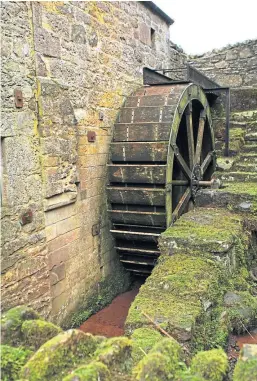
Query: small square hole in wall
{"points": [[153, 37]]}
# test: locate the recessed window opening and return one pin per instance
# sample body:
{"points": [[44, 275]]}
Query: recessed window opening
{"points": [[153, 37]]}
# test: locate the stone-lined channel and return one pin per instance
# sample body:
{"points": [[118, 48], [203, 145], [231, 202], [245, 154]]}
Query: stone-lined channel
{"points": [[110, 321]]}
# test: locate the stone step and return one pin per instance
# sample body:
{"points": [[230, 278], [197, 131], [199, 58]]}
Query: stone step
{"points": [[245, 117], [252, 136], [247, 158], [244, 167], [236, 176], [249, 148], [239, 197]]}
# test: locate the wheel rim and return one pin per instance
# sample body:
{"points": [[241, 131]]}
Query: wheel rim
{"points": [[190, 161]]}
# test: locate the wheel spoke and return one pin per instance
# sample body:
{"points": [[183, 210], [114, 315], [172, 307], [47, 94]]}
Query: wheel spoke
{"points": [[190, 134], [183, 165], [206, 162], [181, 205], [200, 137]]}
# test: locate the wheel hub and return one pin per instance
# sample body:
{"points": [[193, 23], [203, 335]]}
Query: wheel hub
{"points": [[196, 177]]}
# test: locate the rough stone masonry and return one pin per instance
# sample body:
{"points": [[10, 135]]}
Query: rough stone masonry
{"points": [[66, 69], [73, 62]]}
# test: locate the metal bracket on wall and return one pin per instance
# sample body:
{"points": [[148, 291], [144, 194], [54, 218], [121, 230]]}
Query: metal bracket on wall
{"points": [[95, 230], [18, 98]]}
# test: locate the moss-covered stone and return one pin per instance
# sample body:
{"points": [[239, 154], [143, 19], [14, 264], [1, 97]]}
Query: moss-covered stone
{"points": [[36, 332], [176, 293], [211, 365], [246, 367], [164, 362], [154, 367], [187, 376], [94, 371], [143, 340], [211, 230], [11, 323], [57, 356], [242, 310], [115, 353], [12, 360]]}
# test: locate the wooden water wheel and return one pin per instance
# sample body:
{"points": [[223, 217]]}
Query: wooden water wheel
{"points": [[162, 153]]}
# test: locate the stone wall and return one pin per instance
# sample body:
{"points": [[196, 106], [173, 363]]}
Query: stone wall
{"points": [[24, 252], [233, 66], [75, 62]]}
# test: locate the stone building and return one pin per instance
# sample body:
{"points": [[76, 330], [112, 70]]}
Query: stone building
{"points": [[66, 69]]}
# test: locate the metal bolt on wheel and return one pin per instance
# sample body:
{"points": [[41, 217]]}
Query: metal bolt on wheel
{"points": [[162, 153]]}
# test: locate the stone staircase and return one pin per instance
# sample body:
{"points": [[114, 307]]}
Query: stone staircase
{"points": [[238, 172]]}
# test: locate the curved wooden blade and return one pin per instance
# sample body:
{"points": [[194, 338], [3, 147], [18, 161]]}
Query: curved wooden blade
{"points": [[181, 205], [199, 142], [183, 165], [190, 135], [206, 162]]}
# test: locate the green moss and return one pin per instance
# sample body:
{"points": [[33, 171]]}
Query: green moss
{"points": [[154, 367], [174, 295], [115, 353], [57, 356], [143, 340], [211, 365], [94, 371], [213, 230], [101, 296], [243, 313], [11, 323], [187, 376], [37, 332], [246, 367], [241, 188], [12, 360], [245, 370], [164, 362]]}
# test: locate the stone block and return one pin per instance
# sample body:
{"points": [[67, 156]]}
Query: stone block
{"points": [[67, 225], [78, 34], [46, 43], [145, 34], [51, 232], [59, 214], [58, 288], [63, 240], [62, 254]]}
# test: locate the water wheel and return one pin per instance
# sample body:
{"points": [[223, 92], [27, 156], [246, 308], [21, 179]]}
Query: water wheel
{"points": [[161, 154]]}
